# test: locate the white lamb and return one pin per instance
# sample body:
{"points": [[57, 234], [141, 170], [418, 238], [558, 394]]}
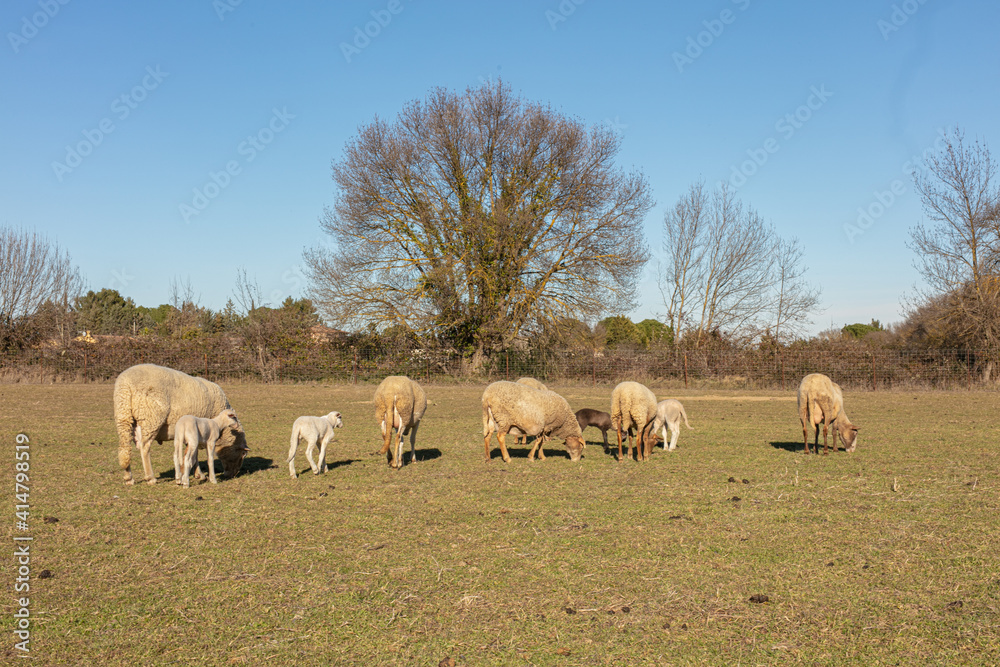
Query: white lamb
{"points": [[668, 415], [313, 430], [194, 432]]}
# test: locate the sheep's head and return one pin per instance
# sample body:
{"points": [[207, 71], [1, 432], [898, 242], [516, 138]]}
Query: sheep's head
{"points": [[848, 435], [575, 446], [231, 449], [335, 419]]}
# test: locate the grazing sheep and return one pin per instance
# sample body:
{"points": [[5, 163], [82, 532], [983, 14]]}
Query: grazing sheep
{"points": [[399, 404], [602, 420], [534, 384], [821, 400], [633, 405], [148, 401], [668, 415], [193, 432], [510, 407], [313, 430]]}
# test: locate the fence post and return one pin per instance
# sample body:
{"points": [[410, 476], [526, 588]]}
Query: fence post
{"points": [[968, 368], [685, 370]]}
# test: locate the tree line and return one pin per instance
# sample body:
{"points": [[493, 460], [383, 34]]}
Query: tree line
{"points": [[481, 221]]}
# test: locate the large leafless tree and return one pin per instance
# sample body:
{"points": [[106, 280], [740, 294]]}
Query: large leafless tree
{"points": [[958, 248], [474, 216], [727, 271], [34, 272]]}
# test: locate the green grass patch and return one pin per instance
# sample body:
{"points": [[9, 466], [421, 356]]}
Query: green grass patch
{"points": [[885, 556]]}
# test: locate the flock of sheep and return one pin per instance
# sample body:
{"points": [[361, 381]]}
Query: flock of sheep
{"points": [[157, 403]]}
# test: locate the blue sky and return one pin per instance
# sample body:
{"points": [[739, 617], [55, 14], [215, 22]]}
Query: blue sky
{"points": [[115, 113]]}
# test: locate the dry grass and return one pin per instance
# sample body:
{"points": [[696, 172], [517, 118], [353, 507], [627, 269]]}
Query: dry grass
{"points": [[886, 556]]}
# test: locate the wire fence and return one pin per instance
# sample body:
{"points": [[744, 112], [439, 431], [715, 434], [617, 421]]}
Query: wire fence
{"points": [[856, 369]]}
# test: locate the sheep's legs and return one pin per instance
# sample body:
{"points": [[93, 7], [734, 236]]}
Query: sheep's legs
{"points": [[209, 459], [322, 451], [147, 464], [618, 432], [826, 426], [503, 447], [486, 444], [413, 443], [310, 448], [805, 438]]}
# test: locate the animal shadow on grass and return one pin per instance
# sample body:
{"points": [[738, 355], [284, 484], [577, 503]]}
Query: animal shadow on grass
{"points": [[422, 455], [519, 452], [251, 464], [789, 446]]}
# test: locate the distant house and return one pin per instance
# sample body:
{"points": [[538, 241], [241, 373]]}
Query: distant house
{"points": [[322, 334]]}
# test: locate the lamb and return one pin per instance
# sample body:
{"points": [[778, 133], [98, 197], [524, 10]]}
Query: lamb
{"points": [[602, 420], [534, 384], [510, 407], [399, 403], [668, 415], [633, 405], [193, 432], [822, 400], [313, 430], [148, 401]]}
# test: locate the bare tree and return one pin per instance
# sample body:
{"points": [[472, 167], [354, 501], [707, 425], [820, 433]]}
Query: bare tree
{"points": [[727, 271], [475, 215], [958, 251], [794, 300], [33, 272]]}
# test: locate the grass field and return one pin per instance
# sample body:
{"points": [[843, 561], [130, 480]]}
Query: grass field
{"points": [[887, 556]]}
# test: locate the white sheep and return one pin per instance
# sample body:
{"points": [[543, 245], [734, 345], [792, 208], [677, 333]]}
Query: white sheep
{"points": [[192, 432], [313, 430], [668, 415], [822, 400], [399, 404], [534, 384], [148, 401], [633, 405], [510, 407]]}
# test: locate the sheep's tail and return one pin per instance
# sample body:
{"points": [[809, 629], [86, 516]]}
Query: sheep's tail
{"points": [[293, 443], [489, 421], [684, 414], [126, 426]]}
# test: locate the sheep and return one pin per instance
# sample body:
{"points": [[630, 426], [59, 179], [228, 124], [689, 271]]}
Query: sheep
{"points": [[822, 400], [668, 415], [534, 384], [313, 430], [633, 405], [399, 403], [192, 432], [510, 407], [148, 400], [602, 420]]}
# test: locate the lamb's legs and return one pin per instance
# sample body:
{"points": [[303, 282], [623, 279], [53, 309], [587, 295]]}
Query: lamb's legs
{"points": [[675, 431], [604, 433], [322, 451], [310, 448], [210, 459], [179, 456], [291, 459]]}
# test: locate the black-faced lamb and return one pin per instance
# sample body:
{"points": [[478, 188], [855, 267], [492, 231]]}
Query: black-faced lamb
{"points": [[148, 401], [822, 400], [316, 431], [399, 404], [633, 405], [509, 407], [668, 416], [192, 432]]}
